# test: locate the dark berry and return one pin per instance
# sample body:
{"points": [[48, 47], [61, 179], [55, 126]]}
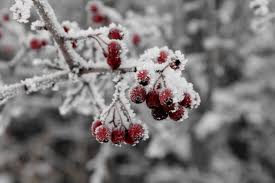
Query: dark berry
{"points": [[117, 136], [159, 113], [152, 99]]}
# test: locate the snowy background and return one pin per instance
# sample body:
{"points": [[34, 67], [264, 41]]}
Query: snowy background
{"points": [[228, 139]]}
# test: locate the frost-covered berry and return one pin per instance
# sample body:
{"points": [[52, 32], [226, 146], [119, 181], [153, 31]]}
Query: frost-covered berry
{"points": [[35, 44], [94, 126], [177, 114], [143, 77], [136, 39], [166, 97], [128, 139], [187, 101], [117, 136], [138, 94], [152, 99], [136, 131], [115, 33], [102, 134], [114, 49], [113, 62], [162, 57], [175, 64], [94, 8], [159, 113]]}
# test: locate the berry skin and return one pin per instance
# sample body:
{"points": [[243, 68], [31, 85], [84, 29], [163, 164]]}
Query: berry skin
{"points": [[169, 108], [166, 97], [175, 64], [114, 49], [138, 94], [114, 63], [35, 44], [117, 136], [159, 114], [93, 8], [136, 39], [162, 57], [94, 126], [178, 114], [187, 101], [128, 139], [143, 77], [152, 99], [115, 33], [102, 134], [136, 132]]}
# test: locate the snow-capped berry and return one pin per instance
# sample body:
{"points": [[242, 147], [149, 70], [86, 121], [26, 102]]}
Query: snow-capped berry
{"points": [[94, 126], [118, 136], [136, 39], [136, 131], [114, 49], [113, 62], [175, 64], [162, 57], [152, 99], [143, 77], [138, 94], [166, 97], [102, 134], [178, 114], [187, 101], [94, 8], [115, 33], [35, 44], [159, 113]]}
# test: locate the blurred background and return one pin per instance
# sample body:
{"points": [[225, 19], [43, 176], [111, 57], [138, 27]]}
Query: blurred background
{"points": [[228, 139]]}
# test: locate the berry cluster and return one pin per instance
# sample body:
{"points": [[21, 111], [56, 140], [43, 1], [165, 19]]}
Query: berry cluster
{"points": [[162, 87], [118, 134], [37, 43], [96, 14]]}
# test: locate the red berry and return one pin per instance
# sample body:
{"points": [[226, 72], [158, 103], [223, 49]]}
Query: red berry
{"points": [[113, 62], [159, 113], [94, 126], [114, 49], [175, 64], [102, 134], [66, 29], [169, 108], [6, 17], [136, 131], [187, 101], [152, 99], [115, 33], [136, 39], [94, 8], [117, 136], [128, 139], [74, 44], [143, 77], [138, 94], [162, 57], [35, 44], [166, 97], [98, 18], [178, 114]]}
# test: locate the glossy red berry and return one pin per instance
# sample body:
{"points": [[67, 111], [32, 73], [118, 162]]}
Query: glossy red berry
{"points": [[136, 132], [162, 57], [114, 62], [115, 33], [35, 44], [138, 94], [152, 99], [143, 77], [166, 97], [177, 114], [169, 108], [136, 39], [187, 101], [118, 136], [114, 49], [159, 113], [102, 134], [94, 126]]}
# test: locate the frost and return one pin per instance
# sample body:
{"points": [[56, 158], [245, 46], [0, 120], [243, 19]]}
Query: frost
{"points": [[22, 10]]}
